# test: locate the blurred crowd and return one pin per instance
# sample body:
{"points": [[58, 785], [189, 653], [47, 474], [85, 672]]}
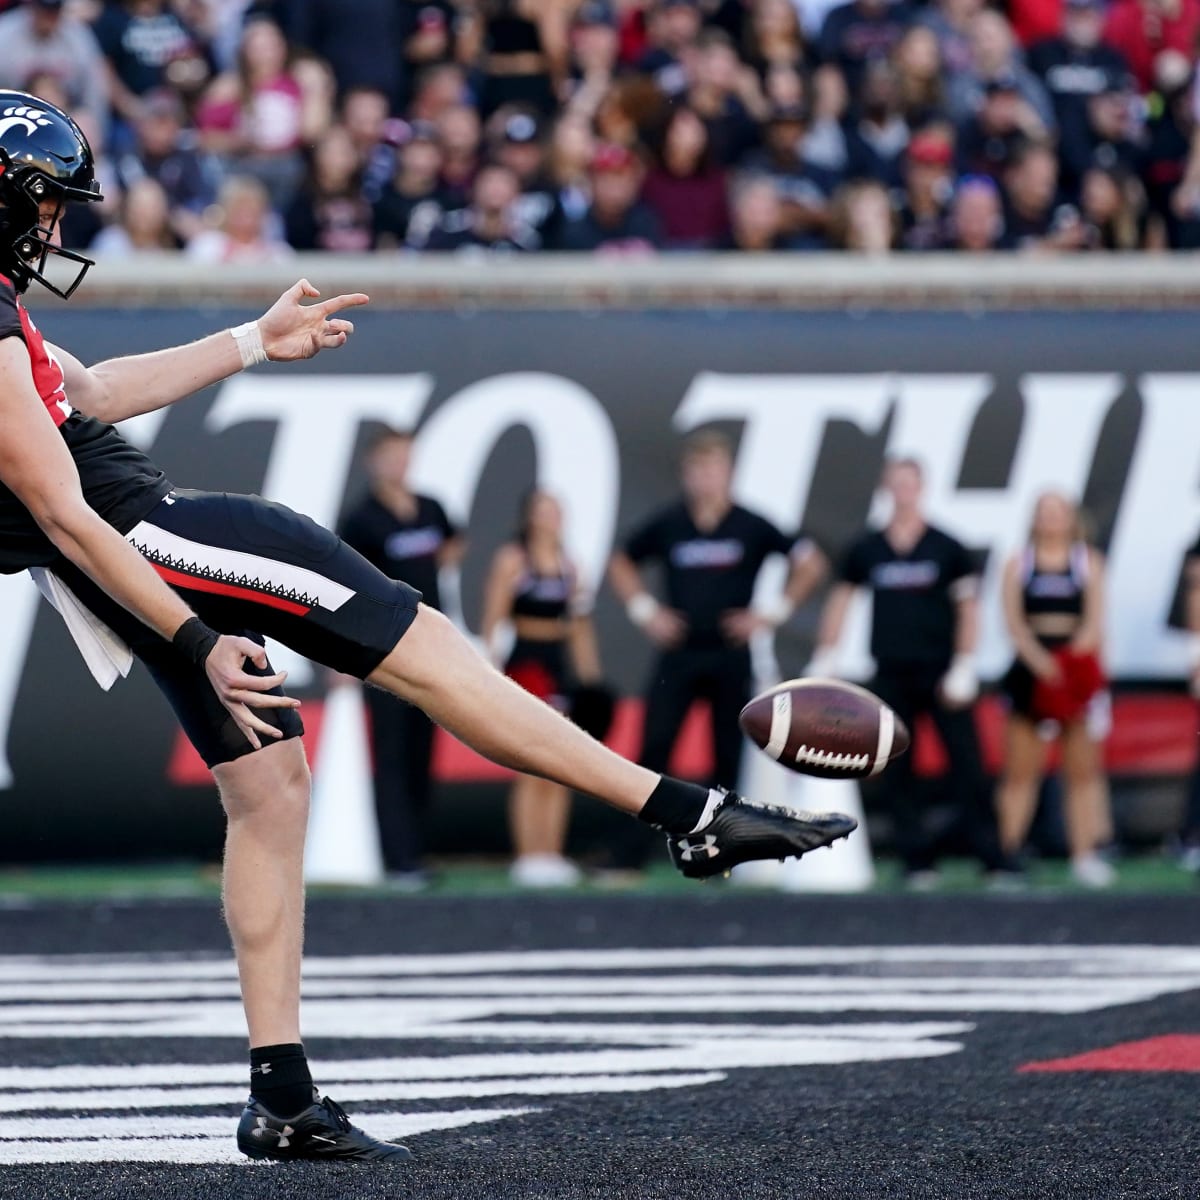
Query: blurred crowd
{"points": [[241, 130]]}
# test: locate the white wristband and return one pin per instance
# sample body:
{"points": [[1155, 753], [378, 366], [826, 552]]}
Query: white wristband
{"points": [[776, 612], [960, 684], [249, 344], [641, 608]]}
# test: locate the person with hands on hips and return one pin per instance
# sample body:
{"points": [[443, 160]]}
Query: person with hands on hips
{"points": [[923, 635], [711, 550]]}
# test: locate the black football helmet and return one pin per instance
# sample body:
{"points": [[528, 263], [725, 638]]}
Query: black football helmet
{"points": [[43, 156]]}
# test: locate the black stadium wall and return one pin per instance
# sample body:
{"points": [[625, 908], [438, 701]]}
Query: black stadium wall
{"points": [[997, 405]]}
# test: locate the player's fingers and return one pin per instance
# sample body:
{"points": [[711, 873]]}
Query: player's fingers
{"points": [[339, 326], [244, 681], [350, 300], [252, 650], [250, 724], [260, 700]]}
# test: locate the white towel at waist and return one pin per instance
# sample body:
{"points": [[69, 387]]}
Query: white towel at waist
{"points": [[107, 656]]}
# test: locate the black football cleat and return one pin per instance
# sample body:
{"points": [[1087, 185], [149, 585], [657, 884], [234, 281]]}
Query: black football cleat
{"points": [[742, 831], [321, 1133]]}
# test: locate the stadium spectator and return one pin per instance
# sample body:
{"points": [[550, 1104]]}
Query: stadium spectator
{"points": [[725, 95], [1054, 610], [923, 634], [245, 230], [363, 113], [169, 153], [516, 142], [615, 222], [412, 203], [877, 135], [572, 147], [1110, 201], [437, 89], [147, 47], [711, 551], [1115, 134], [773, 39], [951, 22], [671, 31], [259, 118], [460, 136], [858, 33], [595, 46], [928, 191], [535, 591], [490, 222], [920, 90], [408, 537], [330, 211], [1075, 65], [804, 187], [143, 227], [1172, 161], [1003, 124], [367, 50], [995, 57], [523, 51], [757, 220], [430, 34], [976, 215], [41, 40], [1143, 29], [1035, 216], [685, 188], [861, 218]]}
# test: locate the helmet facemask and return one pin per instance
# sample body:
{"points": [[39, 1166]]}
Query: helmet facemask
{"points": [[30, 235]]}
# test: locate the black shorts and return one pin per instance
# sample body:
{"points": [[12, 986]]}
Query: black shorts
{"points": [[251, 567]]}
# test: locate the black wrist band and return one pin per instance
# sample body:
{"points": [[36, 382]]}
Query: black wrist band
{"points": [[195, 640]]}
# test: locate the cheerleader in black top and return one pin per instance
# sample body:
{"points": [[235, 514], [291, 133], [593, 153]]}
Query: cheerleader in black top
{"points": [[1054, 609], [534, 589]]}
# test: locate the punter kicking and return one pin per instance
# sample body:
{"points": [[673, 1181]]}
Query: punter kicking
{"points": [[191, 582]]}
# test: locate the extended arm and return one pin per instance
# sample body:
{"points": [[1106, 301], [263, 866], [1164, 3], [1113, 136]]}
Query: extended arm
{"points": [[37, 467], [124, 387]]}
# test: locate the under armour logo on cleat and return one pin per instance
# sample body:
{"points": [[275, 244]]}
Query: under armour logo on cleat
{"points": [[262, 1129], [688, 851]]}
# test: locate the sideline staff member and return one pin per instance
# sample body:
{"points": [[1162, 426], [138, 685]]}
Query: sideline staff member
{"points": [[923, 634], [712, 550], [410, 538]]}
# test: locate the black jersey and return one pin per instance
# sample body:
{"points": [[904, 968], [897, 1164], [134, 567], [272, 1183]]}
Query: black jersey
{"points": [[1054, 600], [913, 623], [709, 573], [407, 550]]}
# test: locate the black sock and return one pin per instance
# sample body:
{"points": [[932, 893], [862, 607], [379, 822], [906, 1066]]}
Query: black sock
{"points": [[280, 1078], [675, 806]]}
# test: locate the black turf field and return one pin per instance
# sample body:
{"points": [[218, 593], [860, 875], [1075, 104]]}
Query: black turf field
{"points": [[963, 1124]]}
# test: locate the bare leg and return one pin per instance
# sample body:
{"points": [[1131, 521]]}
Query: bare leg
{"points": [[266, 797], [1016, 797], [538, 812], [1085, 791], [437, 669]]}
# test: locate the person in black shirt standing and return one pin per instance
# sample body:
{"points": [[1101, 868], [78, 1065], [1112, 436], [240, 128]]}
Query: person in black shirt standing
{"points": [[410, 538], [711, 550], [923, 635]]}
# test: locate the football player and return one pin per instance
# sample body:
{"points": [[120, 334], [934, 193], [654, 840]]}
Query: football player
{"points": [[190, 582]]}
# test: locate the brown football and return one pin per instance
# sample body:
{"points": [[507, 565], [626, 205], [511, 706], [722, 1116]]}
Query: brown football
{"points": [[825, 727]]}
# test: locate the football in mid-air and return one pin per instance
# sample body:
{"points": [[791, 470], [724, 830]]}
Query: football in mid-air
{"points": [[825, 727]]}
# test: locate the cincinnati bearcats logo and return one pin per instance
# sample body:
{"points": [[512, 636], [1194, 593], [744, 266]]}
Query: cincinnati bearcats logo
{"points": [[31, 118]]}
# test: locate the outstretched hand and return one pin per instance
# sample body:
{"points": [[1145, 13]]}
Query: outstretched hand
{"points": [[292, 330], [240, 691]]}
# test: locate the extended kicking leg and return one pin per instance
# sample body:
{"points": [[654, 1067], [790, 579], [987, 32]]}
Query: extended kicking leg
{"points": [[709, 830]]}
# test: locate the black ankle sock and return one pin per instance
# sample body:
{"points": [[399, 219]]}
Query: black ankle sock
{"points": [[675, 806], [280, 1078]]}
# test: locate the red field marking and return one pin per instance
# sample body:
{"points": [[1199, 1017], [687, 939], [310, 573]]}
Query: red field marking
{"points": [[1172, 1052]]}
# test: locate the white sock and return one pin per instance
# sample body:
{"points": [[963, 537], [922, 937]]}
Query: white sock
{"points": [[714, 801]]}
